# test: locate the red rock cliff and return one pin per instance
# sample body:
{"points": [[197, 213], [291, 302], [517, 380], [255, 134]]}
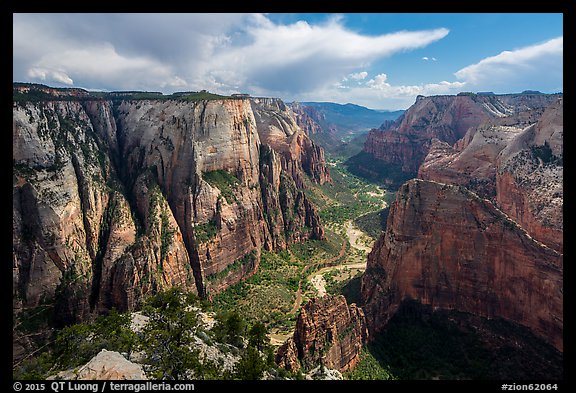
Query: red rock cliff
{"points": [[115, 199], [446, 247], [517, 162], [446, 118], [328, 332]]}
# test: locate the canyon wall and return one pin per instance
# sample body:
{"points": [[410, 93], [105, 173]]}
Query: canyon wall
{"points": [[114, 198], [481, 231], [446, 118]]}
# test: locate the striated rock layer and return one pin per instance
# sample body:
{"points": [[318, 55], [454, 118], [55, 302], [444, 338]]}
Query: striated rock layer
{"points": [[328, 332], [447, 119], [446, 247], [116, 198], [515, 162]]}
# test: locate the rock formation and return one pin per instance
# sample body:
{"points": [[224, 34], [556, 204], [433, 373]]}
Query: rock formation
{"points": [[446, 247], [447, 119], [328, 332], [516, 164], [482, 230], [116, 197], [278, 128], [106, 366]]}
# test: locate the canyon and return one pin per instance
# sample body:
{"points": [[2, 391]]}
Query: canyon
{"points": [[114, 197], [480, 229], [117, 196]]}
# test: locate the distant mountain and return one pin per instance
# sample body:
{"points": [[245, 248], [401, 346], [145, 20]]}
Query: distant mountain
{"points": [[336, 126], [350, 118]]}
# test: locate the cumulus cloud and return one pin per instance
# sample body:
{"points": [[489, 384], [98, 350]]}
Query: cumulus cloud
{"points": [[531, 67], [44, 74], [380, 93], [308, 56], [118, 51], [219, 52], [426, 58], [358, 75]]}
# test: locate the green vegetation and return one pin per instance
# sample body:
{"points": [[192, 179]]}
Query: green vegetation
{"points": [[369, 368], [420, 344], [224, 181], [373, 223], [76, 344], [269, 294], [38, 93], [251, 365], [349, 287], [205, 232], [200, 96], [366, 166], [544, 152], [167, 336], [247, 262], [346, 198], [164, 342]]}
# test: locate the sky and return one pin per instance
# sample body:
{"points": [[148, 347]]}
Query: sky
{"points": [[377, 60]]}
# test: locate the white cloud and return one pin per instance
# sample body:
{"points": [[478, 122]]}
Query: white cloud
{"points": [[358, 76], [380, 93], [425, 58], [524, 68], [222, 52], [44, 74], [103, 62], [379, 82]]}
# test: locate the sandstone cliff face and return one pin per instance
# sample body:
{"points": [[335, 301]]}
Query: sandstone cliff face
{"points": [[446, 118], [278, 128], [529, 179], [308, 118], [328, 332], [114, 199], [446, 247], [516, 161]]}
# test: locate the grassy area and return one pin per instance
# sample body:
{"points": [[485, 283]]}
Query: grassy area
{"points": [[369, 368], [268, 295], [346, 198]]}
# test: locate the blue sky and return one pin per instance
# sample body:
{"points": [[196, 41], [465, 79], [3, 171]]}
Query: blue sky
{"points": [[382, 61]]}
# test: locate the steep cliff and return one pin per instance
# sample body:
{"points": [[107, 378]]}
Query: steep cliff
{"points": [[447, 119], [116, 197], [278, 128], [515, 161], [328, 332], [446, 247]]}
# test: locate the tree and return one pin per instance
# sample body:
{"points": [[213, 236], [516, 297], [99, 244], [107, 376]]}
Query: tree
{"points": [[230, 328], [257, 336], [167, 337], [251, 366], [78, 343]]}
